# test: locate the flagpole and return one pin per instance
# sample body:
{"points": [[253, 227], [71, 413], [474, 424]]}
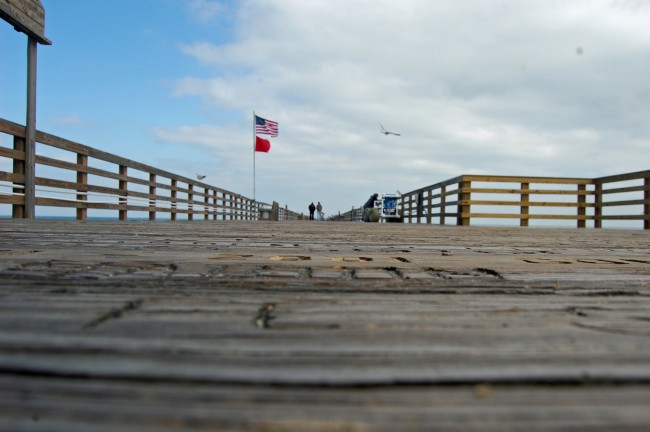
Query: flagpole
{"points": [[253, 155]]}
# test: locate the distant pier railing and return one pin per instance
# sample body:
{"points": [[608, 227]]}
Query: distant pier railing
{"points": [[83, 178], [467, 198]]}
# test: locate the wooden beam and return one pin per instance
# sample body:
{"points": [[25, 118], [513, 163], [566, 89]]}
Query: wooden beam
{"points": [[27, 16], [30, 131]]}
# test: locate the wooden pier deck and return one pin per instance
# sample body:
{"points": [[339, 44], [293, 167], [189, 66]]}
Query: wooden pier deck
{"points": [[295, 326]]}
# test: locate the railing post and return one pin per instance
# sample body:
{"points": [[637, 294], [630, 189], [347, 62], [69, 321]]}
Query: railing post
{"points": [[123, 188], [18, 210], [242, 206], [525, 199], [598, 206], [82, 183], [206, 204], [464, 207], [443, 204], [190, 202], [215, 204], [429, 206], [419, 208], [646, 206], [173, 199], [582, 210], [410, 208], [152, 197], [223, 206]]}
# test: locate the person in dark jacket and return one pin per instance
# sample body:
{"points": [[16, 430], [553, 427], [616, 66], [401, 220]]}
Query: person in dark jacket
{"points": [[371, 201], [369, 213], [312, 209]]}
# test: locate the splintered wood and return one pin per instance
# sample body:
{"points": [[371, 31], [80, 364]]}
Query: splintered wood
{"points": [[138, 326]]}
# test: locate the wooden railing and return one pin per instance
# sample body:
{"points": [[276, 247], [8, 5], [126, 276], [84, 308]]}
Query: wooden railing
{"points": [[85, 179], [470, 197], [353, 215], [467, 198], [610, 195]]}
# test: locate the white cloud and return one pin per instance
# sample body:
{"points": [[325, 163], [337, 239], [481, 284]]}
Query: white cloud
{"points": [[498, 87], [70, 119], [204, 10]]}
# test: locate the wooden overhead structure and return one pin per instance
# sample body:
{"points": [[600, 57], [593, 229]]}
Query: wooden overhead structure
{"points": [[28, 16]]}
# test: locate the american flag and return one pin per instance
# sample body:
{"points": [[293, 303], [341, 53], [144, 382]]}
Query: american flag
{"points": [[267, 127]]}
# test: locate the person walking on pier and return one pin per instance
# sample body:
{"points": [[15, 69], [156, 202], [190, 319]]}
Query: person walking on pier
{"points": [[312, 209], [319, 209]]}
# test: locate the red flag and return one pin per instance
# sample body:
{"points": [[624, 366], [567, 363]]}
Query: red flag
{"points": [[262, 145]]}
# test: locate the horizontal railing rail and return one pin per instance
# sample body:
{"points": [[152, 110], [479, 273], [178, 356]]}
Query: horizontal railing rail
{"points": [[353, 215], [472, 197], [467, 198], [85, 178], [631, 190], [440, 200]]}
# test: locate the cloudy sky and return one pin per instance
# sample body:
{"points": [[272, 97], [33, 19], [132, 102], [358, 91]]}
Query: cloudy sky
{"points": [[525, 87]]}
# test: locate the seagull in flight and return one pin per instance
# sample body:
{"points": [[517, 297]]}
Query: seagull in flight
{"points": [[385, 132], [200, 176]]}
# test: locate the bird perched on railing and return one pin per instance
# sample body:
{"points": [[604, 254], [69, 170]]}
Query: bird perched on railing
{"points": [[200, 176], [385, 132]]}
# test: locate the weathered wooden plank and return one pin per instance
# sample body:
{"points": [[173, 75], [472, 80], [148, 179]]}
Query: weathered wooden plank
{"points": [[27, 16], [72, 146], [531, 191], [18, 178], [528, 216], [625, 189], [9, 199], [527, 203], [158, 326], [625, 203], [12, 154], [165, 406], [522, 179], [623, 177]]}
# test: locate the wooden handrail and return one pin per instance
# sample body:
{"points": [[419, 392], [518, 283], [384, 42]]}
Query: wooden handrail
{"points": [[132, 186], [589, 195], [158, 191], [456, 199]]}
